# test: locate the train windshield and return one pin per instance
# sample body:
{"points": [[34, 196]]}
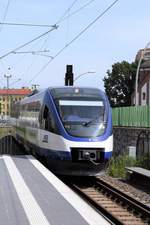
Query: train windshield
{"points": [[83, 118]]}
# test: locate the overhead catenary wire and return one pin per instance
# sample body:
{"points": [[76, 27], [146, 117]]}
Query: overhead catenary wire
{"points": [[33, 61], [74, 39], [4, 18], [31, 48], [64, 17], [45, 55], [31, 52], [52, 26], [76, 11], [26, 24], [66, 11], [32, 25], [5, 14], [34, 45], [35, 53], [86, 28], [72, 4], [29, 42], [39, 52]]}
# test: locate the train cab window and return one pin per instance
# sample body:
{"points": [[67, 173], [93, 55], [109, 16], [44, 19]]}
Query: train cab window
{"points": [[48, 123]]}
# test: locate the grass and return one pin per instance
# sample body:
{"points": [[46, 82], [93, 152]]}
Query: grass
{"points": [[117, 164]]}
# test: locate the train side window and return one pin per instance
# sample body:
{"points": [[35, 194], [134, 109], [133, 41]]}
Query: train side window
{"points": [[48, 123]]}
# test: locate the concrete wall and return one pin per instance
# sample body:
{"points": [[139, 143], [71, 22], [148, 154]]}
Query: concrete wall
{"points": [[129, 136]]}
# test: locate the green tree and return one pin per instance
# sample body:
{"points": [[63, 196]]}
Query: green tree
{"points": [[119, 83]]}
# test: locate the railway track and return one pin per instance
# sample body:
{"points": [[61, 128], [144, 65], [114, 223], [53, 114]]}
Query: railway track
{"points": [[117, 207]]}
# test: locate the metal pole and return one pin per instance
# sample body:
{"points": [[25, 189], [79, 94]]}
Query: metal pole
{"points": [[137, 74], [7, 77], [82, 75], [6, 140], [34, 86]]}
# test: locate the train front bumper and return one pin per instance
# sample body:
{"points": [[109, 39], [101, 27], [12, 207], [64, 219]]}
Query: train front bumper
{"points": [[80, 168]]}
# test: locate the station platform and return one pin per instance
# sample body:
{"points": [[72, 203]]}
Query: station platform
{"points": [[139, 170], [31, 195]]}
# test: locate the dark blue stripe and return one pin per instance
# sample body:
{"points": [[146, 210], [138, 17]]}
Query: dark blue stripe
{"points": [[63, 155], [56, 154], [108, 155]]}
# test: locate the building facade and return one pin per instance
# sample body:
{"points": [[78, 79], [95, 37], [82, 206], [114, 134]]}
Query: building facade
{"points": [[10, 96], [144, 79], [144, 84]]}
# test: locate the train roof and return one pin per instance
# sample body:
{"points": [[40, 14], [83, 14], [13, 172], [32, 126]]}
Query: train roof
{"points": [[72, 90], [60, 91], [72, 87]]}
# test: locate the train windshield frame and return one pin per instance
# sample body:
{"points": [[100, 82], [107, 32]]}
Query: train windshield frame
{"points": [[82, 115]]}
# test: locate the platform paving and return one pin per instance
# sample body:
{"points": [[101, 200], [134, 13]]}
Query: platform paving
{"points": [[139, 170], [31, 194]]}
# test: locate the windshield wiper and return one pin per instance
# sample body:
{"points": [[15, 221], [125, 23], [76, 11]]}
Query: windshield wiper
{"points": [[89, 122]]}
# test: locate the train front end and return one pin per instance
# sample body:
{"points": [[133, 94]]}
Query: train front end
{"points": [[84, 123]]}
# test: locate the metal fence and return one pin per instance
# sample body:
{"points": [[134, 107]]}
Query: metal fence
{"points": [[133, 116]]}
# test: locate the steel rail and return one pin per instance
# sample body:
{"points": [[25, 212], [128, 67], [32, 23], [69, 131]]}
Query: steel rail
{"points": [[143, 209], [138, 210], [107, 215]]}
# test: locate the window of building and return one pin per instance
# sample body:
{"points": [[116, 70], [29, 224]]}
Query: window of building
{"points": [[144, 95]]}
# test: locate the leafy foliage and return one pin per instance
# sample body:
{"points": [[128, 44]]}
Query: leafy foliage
{"points": [[119, 83], [117, 165]]}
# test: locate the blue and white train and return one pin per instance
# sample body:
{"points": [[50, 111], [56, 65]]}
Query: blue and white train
{"points": [[69, 127]]}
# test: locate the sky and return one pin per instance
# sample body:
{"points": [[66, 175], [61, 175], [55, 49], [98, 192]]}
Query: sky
{"points": [[115, 37]]}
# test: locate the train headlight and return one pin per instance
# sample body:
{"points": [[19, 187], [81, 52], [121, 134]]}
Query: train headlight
{"points": [[76, 90]]}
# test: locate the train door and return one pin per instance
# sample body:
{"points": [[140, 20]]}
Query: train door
{"points": [[47, 122]]}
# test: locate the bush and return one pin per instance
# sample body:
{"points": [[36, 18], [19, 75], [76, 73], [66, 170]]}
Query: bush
{"points": [[117, 165]]}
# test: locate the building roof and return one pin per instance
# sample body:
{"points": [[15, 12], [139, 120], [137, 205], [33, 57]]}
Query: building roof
{"points": [[22, 91], [146, 54]]}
